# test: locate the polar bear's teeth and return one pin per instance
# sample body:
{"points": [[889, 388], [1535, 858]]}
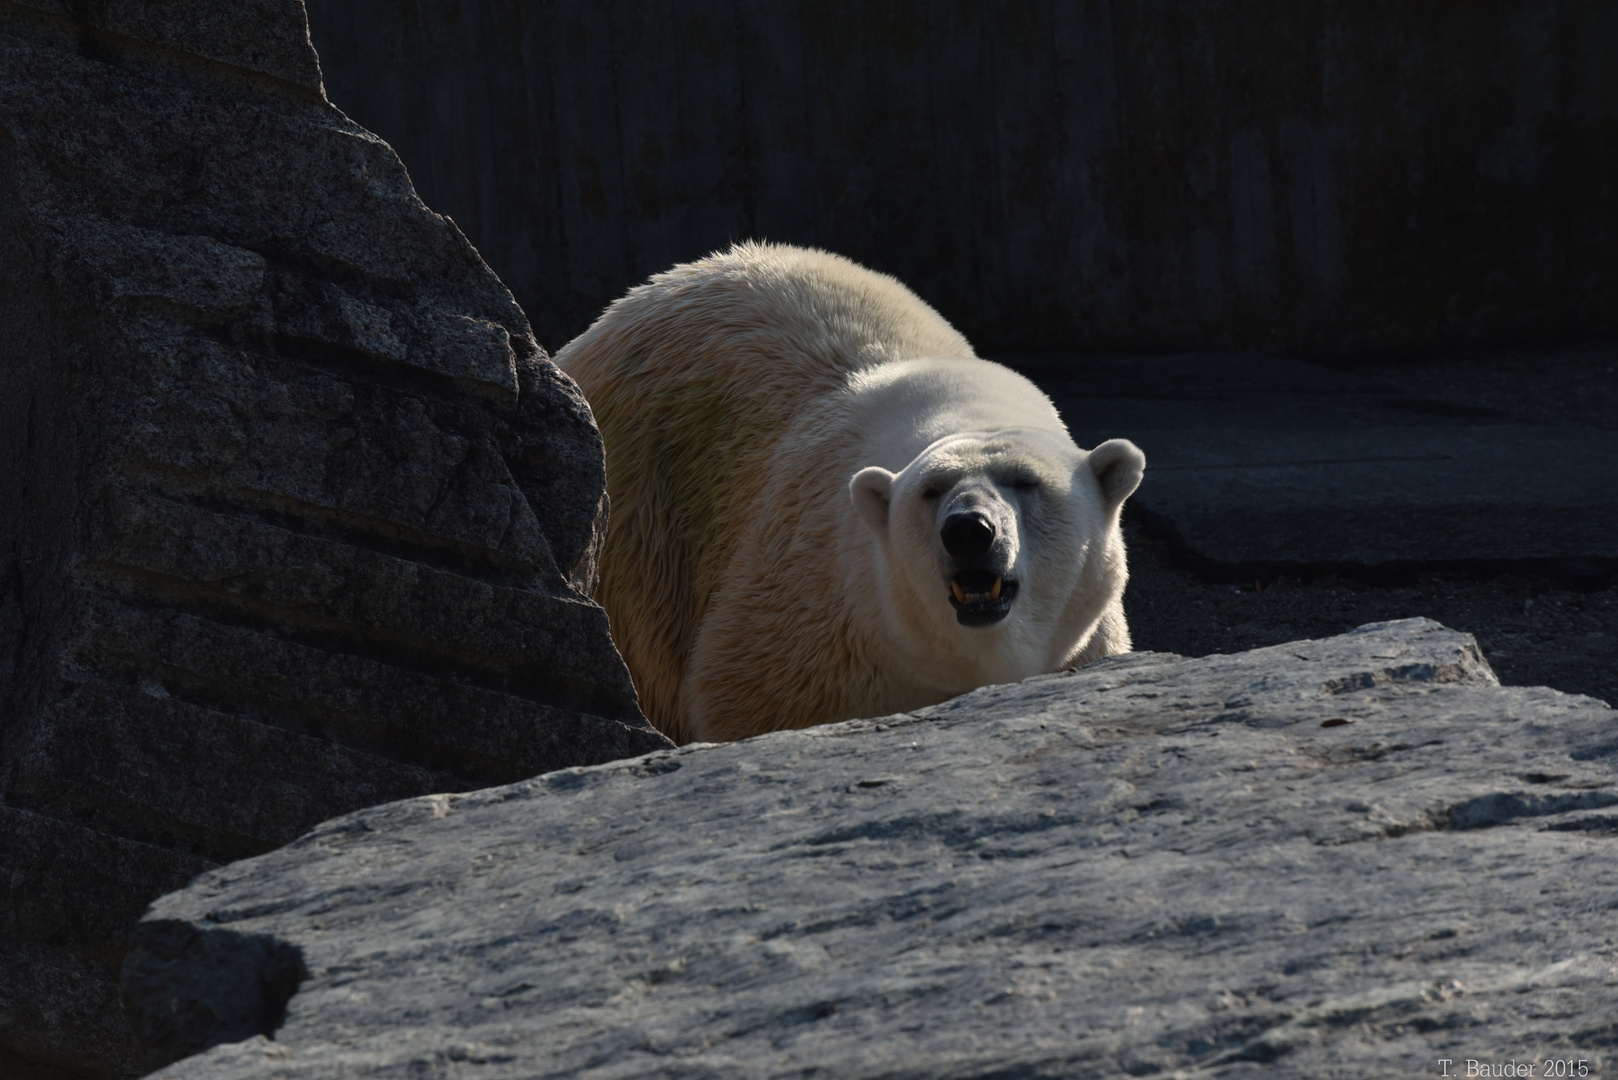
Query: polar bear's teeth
{"points": [[963, 595]]}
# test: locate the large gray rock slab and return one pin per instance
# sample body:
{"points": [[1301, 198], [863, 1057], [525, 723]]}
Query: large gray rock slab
{"points": [[298, 517], [1140, 177], [1342, 858], [1258, 465]]}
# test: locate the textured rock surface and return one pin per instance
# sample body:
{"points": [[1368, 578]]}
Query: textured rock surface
{"points": [[1049, 174], [298, 517], [1342, 858]]}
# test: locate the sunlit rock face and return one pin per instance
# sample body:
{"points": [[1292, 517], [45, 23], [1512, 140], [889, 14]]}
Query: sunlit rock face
{"points": [[1355, 856]]}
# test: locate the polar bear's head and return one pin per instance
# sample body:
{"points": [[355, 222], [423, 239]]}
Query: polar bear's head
{"points": [[1010, 531]]}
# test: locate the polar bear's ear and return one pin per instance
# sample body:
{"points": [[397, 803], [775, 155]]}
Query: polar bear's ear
{"points": [[870, 489], [1118, 464]]}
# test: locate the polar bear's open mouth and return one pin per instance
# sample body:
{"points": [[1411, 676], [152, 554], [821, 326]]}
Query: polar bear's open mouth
{"points": [[981, 597]]}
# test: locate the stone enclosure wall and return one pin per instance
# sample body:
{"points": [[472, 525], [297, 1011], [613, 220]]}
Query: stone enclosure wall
{"points": [[295, 515], [1170, 174]]}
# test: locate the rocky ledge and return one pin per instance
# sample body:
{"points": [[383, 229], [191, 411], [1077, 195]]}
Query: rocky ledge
{"points": [[1352, 857], [296, 516]]}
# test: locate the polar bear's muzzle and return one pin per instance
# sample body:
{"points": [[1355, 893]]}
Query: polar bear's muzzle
{"points": [[981, 597]]}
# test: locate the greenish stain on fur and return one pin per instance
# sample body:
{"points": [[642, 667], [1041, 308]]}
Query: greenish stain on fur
{"points": [[695, 440], [697, 443]]}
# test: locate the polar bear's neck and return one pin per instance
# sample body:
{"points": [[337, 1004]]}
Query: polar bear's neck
{"points": [[938, 397]]}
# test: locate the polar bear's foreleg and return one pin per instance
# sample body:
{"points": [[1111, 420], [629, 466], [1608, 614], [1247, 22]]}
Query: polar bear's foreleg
{"points": [[1111, 636]]}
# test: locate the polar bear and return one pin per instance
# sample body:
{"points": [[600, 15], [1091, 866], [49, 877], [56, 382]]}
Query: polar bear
{"points": [[823, 505]]}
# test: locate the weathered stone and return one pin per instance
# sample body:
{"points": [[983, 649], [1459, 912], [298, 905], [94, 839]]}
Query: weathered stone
{"points": [[268, 37], [299, 517], [1341, 858]]}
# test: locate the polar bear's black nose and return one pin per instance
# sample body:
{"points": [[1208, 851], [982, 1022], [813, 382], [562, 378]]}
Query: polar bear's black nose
{"points": [[967, 535]]}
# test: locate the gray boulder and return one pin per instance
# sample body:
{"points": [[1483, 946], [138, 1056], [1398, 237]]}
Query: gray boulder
{"points": [[1343, 858], [298, 517]]}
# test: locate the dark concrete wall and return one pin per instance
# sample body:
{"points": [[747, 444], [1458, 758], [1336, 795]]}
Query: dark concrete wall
{"points": [[1332, 174]]}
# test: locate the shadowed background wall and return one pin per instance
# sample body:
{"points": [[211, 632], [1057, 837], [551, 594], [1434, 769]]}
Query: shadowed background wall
{"points": [[1360, 175]]}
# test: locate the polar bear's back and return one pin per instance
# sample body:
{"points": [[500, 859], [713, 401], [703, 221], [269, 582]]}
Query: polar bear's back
{"points": [[693, 377], [804, 313]]}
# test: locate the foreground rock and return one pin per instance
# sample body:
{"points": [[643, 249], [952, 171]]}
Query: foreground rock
{"points": [[1351, 857], [297, 517]]}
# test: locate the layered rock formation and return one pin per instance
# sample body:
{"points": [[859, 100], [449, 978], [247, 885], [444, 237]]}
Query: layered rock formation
{"points": [[298, 517], [1352, 857]]}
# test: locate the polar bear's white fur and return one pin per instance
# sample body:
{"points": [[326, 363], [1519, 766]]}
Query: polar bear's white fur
{"points": [[824, 506]]}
